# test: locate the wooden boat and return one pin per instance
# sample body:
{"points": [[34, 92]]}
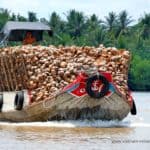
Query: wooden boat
{"points": [[65, 105], [81, 99]]}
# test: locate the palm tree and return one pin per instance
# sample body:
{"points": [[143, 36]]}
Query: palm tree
{"points": [[58, 27], [32, 16], [96, 37], [110, 24], [145, 23], [111, 21], [13, 17], [93, 23], [123, 22], [55, 22], [75, 23]]}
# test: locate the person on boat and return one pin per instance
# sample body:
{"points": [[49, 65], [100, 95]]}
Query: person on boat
{"points": [[29, 39]]}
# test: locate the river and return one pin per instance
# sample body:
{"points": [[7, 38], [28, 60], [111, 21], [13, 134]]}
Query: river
{"points": [[131, 133]]}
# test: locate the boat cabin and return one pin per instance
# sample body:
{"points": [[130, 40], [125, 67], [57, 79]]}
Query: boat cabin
{"points": [[26, 32]]}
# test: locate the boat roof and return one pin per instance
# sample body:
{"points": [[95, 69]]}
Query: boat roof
{"points": [[17, 25]]}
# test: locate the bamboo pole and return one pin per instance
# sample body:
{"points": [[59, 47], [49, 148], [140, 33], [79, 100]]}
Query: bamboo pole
{"points": [[1, 84], [19, 72], [25, 72], [14, 71], [9, 76], [2, 79], [5, 74]]}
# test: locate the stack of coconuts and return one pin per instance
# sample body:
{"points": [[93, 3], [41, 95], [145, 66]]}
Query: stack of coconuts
{"points": [[46, 70]]}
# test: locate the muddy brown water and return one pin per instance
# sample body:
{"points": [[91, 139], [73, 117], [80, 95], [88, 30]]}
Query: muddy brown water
{"points": [[131, 133]]}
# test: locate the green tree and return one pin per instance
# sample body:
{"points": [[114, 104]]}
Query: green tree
{"points": [[32, 16], [4, 16], [93, 34], [13, 17], [123, 22], [58, 27], [75, 23], [139, 73], [21, 18], [145, 25], [56, 23], [96, 37], [110, 24], [44, 20], [93, 23], [111, 21]]}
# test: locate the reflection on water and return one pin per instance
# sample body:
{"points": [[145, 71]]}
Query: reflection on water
{"points": [[73, 135]]}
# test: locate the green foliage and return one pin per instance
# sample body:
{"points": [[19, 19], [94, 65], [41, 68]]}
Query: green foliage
{"points": [[111, 21], [13, 17], [55, 22], [75, 23], [115, 30], [96, 37], [92, 23], [32, 16], [140, 73], [121, 42], [145, 23], [21, 18], [4, 17], [123, 23]]}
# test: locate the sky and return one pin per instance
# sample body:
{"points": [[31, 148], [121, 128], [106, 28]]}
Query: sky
{"points": [[43, 8]]}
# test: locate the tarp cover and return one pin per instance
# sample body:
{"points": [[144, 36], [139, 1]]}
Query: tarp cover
{"points": [[16, 31]]}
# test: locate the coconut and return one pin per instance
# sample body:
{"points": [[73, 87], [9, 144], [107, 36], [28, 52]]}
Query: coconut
{"points": [[63, 64], [45, 70]]}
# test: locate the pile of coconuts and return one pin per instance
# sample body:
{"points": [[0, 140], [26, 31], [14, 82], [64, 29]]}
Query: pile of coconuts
{"points": [[48, 69]]}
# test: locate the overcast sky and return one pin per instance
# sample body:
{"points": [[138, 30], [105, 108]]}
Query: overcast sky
{"points": [[43, 8]]}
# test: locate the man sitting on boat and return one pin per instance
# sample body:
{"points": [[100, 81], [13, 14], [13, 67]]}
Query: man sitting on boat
{"points": [[29, 39]]}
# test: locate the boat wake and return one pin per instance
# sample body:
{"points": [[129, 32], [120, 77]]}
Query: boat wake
{"points": [[83, 123]]}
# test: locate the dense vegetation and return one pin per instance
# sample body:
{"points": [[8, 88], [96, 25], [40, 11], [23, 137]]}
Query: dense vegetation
{"points": [[115, 30]]}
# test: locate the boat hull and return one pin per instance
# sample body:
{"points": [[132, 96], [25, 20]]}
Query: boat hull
{"points": [[66, 106]]}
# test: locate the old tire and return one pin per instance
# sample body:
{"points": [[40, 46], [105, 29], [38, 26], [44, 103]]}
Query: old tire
{"points": [[1, 102], [19, 100], [103, 91], [133, 109]]}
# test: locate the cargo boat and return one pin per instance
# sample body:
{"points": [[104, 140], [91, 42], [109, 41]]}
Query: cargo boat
{"points": [[91, 95]]}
